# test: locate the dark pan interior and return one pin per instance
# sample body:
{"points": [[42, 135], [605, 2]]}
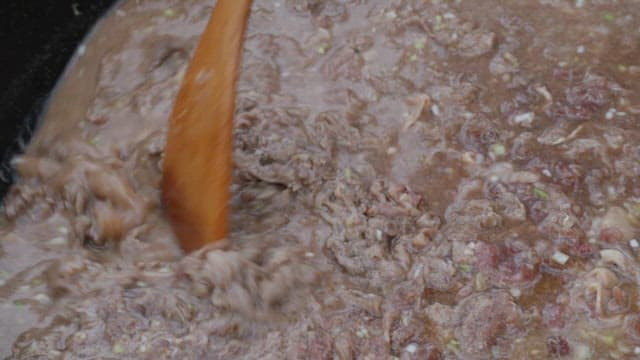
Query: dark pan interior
{"points": [[38, 37]]}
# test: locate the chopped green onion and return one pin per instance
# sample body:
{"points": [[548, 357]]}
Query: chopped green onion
{"points": [[454, 345], [323, 48], [413, 57], [608, 17], [498, 149], [169, 12], [117, 348], [464, 268], [347, 173], [608, 339], [541, 194]]}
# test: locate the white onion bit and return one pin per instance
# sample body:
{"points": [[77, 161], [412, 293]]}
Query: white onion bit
{"points": [[560, 257], [412, 348]]}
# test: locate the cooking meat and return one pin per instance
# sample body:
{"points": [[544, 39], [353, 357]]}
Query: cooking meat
{"points": [[412, 180]]}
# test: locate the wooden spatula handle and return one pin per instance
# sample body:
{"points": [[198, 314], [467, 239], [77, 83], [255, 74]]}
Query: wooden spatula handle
{"points": [[198, 155]]}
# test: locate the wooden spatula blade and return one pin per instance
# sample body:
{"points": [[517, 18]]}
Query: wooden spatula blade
{"points": [[198, 155]]}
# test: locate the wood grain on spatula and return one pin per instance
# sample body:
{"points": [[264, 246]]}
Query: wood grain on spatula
{"points": [[198, 155]]}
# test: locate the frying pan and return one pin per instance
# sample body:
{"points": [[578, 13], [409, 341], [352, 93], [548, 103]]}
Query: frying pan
{"points": [[37, 39]]}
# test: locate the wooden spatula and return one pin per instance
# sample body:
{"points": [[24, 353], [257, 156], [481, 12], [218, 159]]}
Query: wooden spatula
{"points": [[198, 154]]}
